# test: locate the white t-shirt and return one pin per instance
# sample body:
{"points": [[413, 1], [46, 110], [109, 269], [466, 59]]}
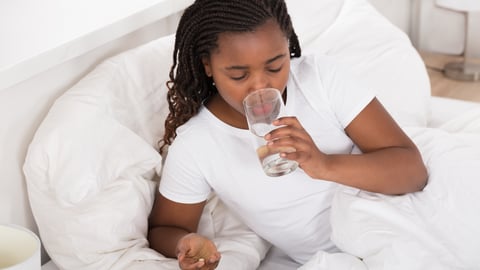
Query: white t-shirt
{"points": [[291, 211]]}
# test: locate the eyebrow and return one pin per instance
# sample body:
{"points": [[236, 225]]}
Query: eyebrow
{"points": [[267, 62]]}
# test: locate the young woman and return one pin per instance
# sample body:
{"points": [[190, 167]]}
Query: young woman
{"points": [[223, 51]]}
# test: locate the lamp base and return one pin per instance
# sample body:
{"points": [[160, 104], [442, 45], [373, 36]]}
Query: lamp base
{"points": [[463, 71]]}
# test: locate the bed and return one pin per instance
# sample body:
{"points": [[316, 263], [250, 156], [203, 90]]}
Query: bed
{"points": [[91, 167]]}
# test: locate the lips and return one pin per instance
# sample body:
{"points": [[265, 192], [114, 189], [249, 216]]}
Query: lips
{"points": [[262, 109]]}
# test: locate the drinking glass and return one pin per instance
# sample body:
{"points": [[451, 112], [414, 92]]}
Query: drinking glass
{"points": [[262, 107]]}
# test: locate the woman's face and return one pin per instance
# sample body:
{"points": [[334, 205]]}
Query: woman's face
{"points": [[244, 62]]}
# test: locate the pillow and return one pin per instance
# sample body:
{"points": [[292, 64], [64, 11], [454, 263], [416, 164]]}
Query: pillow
{"points": [[310, 22], [374, 50], [90, 166], [91, 171]]}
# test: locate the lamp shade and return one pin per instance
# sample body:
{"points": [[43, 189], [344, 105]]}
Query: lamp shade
{"points": [[19, 248]]}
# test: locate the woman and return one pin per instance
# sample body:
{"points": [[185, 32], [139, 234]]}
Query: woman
{"points": [[224, 50]]}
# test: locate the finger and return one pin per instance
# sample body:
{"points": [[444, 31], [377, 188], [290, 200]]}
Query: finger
{"points": [[214, 258], [288, 144], [287, 131], [181, 257], [191, 264], [281, 147], [296, 156], [292, 149], [287, 121], [183, 247]]}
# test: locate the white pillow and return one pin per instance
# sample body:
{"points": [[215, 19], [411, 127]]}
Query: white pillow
{"points": [[375, 51], [311, 18], [90, 171], [90, 166]]}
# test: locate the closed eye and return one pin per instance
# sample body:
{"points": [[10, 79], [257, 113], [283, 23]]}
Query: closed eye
{"points": [[238, 78], [275, 70]]}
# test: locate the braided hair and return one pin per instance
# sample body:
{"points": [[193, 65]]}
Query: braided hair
{"points": [[196, 36]]}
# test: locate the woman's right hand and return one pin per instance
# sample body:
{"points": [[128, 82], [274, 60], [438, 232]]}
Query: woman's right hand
{"points": [[197, 252]]}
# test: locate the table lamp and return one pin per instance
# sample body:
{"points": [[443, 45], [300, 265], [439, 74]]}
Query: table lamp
{"points": [[465, 70]]}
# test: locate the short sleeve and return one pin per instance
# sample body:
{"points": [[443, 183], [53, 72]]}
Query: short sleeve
{"points": [[331, 88], [346, 94], [181, 179]]}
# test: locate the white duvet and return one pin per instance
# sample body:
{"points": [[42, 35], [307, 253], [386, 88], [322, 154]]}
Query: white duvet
{"points": [[437, 228]]}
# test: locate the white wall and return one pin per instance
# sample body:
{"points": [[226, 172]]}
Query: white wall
{"points": [[37, 35], [432, 28]]}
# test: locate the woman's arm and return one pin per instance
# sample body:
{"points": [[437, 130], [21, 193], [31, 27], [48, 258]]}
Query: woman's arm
{"points": [[169, 221], [172, 232], [390, 163]]}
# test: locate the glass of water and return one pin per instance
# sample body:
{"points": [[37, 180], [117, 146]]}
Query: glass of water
{"points": [[262, 107]]}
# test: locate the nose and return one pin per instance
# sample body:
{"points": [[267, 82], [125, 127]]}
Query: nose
{"points": [[259, 80]]}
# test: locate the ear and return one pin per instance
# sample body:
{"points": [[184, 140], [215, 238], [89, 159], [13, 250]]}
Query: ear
{"points": [[207, 66]]}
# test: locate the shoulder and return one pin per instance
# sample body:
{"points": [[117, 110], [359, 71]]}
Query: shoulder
{"points": [[197, 124], [319, 70], [316, 65], [188, 134], [327, 83], [314, 73]]}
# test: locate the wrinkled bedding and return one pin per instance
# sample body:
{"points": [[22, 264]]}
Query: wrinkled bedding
{"points": [[437, 228]]}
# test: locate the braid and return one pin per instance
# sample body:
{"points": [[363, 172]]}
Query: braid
{"points": [[279, 10], [196, 37]]}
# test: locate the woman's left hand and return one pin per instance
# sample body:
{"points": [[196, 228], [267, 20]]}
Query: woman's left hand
{"points": [[294, 143], [197, 252]]}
